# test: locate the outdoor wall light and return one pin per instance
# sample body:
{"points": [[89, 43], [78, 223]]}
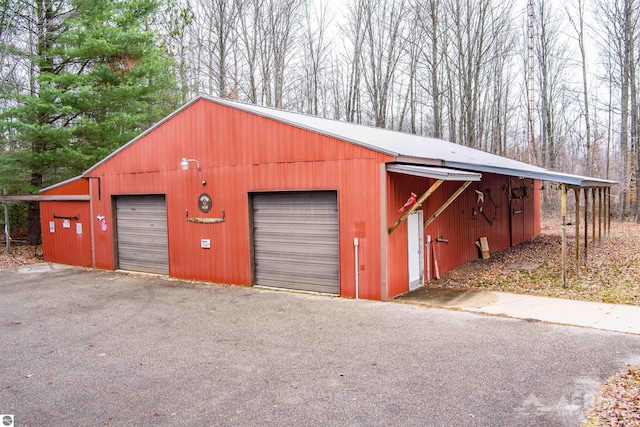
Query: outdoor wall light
{"points": [[184, 163]]}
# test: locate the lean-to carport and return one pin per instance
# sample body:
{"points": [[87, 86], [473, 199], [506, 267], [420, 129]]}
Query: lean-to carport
{"points": [[600, 189], [5, 199]]}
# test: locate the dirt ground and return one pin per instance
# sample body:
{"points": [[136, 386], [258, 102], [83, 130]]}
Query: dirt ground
{"points": [[610, 274]]}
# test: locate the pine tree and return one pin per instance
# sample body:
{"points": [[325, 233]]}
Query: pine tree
{"points": [[98, 78]]}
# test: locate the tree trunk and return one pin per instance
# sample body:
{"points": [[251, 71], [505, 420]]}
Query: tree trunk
{"points": [[624, 107], [34, 235]]}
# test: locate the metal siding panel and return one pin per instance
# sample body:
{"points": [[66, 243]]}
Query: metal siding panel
{"points": [[65, 245], [142, 234], [296, 241], [79, 186]]}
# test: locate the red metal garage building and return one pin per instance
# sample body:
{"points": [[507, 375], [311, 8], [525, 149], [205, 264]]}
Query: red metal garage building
{"points": [[235, 193]]}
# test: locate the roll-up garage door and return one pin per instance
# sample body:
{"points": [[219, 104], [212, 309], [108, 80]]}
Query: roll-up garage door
{"points": [[295, 238], [141, 228]]}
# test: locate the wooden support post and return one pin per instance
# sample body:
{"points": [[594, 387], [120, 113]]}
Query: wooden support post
{"points": [[586, 224], [599, 215], [593, 218], [447, 203], [576, 191], [417, 204], [564, 235], [608, 200]]}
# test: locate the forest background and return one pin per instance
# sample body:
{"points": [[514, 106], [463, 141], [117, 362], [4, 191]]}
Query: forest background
{"points": [[550, 83]]}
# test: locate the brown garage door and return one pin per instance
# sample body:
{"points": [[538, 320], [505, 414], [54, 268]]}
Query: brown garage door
{"points": [[141, 228], [295, 237]]}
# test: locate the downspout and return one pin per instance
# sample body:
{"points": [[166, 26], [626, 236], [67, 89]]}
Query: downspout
{"points": [[91, 223], [355, 246], [428, 243]]}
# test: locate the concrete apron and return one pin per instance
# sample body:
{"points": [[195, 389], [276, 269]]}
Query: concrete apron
{"points": [[609, 317]]}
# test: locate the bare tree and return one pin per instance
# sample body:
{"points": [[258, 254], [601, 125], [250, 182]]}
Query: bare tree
{"points": [[354, 31], [618, 20], [283, 23], [174, 25], [315, 54], [427, 35], [382, 49], [579, 28]]}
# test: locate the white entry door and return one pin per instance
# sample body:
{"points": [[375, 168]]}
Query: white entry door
{"points": [[415, 235]]}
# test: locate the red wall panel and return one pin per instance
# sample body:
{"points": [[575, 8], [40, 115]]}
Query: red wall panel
{"points": [[241, 153], [65, 245], [77, 186]]}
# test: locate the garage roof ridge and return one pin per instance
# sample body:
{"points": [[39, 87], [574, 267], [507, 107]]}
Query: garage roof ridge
{"points": [[390, 142]]}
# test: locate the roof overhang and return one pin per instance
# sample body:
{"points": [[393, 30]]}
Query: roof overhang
{"points": [[44, 198], [576, 181], [444, 174]]}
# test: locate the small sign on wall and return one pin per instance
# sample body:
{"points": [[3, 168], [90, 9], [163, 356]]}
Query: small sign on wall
{"points": [[66, 223], [52, 227], [205, 244], [78, 228]]}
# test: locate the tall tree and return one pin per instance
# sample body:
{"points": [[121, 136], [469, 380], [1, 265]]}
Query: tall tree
{"points": [[382, 50], [97, 80], [579, 28], [619, 21]]}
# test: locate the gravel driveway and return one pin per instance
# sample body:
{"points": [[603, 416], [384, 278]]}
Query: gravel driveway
{"points": [[82, 347]]}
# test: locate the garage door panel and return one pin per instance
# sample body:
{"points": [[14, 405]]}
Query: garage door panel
{"points": [[296, 241], [142, 234]]}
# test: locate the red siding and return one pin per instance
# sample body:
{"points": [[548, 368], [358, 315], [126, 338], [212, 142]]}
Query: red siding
{"points": [[457, 223], [241, 153], [78, 186], [65, 245]]}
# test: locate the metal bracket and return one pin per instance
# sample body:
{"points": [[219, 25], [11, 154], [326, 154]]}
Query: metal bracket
{"points": [[77, 217], [205, 220]]}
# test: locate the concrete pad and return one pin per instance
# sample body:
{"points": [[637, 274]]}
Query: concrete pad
{"points": [[610, 317]]}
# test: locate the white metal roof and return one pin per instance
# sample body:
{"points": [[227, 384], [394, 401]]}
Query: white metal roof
{"points": [[407, 148], [434, 172], [414, 148]]}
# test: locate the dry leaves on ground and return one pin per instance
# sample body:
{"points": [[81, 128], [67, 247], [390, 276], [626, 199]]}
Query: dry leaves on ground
{"points": [[617, 402], [20, 255], [611, 274]]}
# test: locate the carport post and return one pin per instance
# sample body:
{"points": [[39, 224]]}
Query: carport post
{"points": [[576, 191], [599, 215], [593, 218], [586, 224], [564, 235]]}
